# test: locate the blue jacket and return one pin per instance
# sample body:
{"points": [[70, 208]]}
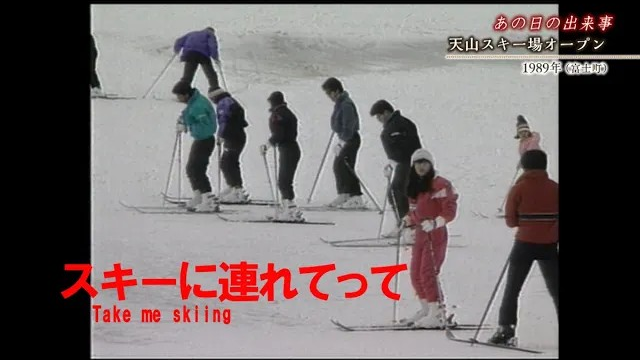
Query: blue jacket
{"points": [[344, 120], [201, 41], [199, 117]]}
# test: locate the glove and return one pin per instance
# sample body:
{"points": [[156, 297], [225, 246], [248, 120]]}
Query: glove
{"points": [[338, 147], [429, 225], [180, 127], [388, 170], [406, 221]]}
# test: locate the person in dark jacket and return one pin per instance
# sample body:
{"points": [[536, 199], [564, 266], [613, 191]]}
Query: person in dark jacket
{"points": [[94, 83], [283, 125], [198, 48], [532, 206], [345, 123], [233, 138], [400, 139]]}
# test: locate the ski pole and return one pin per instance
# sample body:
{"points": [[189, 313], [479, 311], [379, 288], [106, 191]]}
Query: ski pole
{"points": [[362, 184], [266, 166], [275, 174], [224, 82], [507, 194], [396, 285], [219, 170], [324, 158], [173, 159], [384, 204], [164, 70], [180, 167], [493, 295]]}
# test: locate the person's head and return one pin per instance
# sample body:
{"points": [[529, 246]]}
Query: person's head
{"points": [[422, 175], [382, 110], [423, 163], [216, 95], [183, 91], [522, 128], [333, 88], [275, 99], [534, 160]]}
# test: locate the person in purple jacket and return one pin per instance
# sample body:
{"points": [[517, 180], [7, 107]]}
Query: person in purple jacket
{"points": [[198, 48], [233, 138]]}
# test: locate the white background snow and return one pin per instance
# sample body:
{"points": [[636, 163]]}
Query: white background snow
{"points": [[466, 113]]}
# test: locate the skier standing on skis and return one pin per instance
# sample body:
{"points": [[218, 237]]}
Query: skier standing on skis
{"points": [[198, 48], [96, 87], [233, 138], [436, 203], [199, 119], [532, 206], [283, 124], [400, 140], [345, 122]]}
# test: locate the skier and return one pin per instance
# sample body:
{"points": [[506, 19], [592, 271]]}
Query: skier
{"points": [[532, 206], [528, 140], [345, 122], [435, 204], [198, 118], [96, 87], [197, 49], [400, 140], [232, 136], [283, 124]]}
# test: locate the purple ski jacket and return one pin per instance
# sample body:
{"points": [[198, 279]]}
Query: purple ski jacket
{"points": [[202, 41]]}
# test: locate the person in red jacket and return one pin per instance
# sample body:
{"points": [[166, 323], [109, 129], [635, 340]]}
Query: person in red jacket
{"points": [[434, 204], [532, 207]]}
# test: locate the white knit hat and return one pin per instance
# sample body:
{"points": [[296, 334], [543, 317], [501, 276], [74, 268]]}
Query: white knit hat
{"points": [[422, 154]]}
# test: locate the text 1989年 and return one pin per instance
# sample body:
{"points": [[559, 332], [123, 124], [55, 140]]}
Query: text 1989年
{"points": [[541, 67]]}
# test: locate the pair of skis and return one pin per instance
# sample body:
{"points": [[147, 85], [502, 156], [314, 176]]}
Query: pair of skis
{"points": [[451, 325], [112, 96], [181, 210], [375, 242]]}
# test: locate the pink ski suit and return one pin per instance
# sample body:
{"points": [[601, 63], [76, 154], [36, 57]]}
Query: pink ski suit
{"points": [[429, 250], [530, 143]]}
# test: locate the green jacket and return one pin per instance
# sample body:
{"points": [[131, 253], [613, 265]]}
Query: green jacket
{"points": [[199, 117]]}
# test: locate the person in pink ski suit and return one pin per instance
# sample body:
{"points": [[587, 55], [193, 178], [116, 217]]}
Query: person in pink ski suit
{"points": [[529, 140], [434, 203]]}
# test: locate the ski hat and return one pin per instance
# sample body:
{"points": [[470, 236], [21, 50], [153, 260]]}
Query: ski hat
{"points": [[534, 160], [276, 98], [521, 125], [422, 154]]}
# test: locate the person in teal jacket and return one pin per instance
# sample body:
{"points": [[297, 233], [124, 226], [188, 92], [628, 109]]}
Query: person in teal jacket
{"points": [[199, 119]]}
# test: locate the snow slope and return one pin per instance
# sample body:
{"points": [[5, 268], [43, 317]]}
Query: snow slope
{"points": [[466, 114]]}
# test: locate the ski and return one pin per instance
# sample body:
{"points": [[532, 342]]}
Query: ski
{"points": [[329, 208], [170, 210], [270, 219], [402, 327], [372, 239], [385, 245], [472, 341], [112, 96], [184, 200]]}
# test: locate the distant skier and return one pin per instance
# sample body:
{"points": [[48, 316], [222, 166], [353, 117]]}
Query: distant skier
{"points": [[96, 87], [198, 47], [435, 203], [528, 140], [284, 135], [199, 118], [345, 122], [233, 138], [400, 140], [532, 206]]}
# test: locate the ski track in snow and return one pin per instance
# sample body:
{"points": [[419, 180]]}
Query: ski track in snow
{"points": [[466, 114]]}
